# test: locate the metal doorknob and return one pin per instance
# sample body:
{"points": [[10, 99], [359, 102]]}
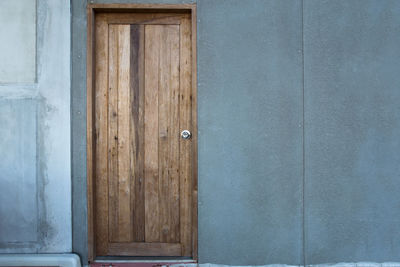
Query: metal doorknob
{"points": [[185, 134]]}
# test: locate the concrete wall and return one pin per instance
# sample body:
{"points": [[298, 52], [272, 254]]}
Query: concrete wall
{"points": [[35, 176], [279, 80], [18, 46]]}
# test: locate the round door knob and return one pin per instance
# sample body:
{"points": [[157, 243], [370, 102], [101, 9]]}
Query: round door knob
{"points": [[185, 134]]}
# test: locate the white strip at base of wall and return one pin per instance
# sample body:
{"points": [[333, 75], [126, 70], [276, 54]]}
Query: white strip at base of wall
{"points": [[62, 260]]}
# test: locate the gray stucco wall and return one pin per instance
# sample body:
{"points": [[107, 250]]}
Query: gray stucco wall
{"points": [[352, 130], [250, 132], [254, 81], [78, 129]]}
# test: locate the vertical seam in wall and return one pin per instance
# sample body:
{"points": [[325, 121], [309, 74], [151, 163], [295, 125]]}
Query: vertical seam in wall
{"points": [[36, 79], [37, 157], [71, 113], [37, 106], [303, 137]]}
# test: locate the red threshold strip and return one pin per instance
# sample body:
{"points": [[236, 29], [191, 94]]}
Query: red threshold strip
{"points": [[138, 264]]}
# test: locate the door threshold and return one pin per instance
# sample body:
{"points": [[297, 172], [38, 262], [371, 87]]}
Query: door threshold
{"points": [[140, 263], [143, 261]]}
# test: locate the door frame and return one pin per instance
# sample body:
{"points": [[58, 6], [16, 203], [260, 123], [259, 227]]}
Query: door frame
{"points": [[92, 9]]}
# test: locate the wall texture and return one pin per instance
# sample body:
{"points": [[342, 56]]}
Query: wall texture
{"points": [[298, 130], [299, 127], [18, 46], [250, 132], [352, 130], [35, 176], [250, 81]]}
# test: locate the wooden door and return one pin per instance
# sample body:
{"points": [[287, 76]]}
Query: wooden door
{"points": [[143, 169]]}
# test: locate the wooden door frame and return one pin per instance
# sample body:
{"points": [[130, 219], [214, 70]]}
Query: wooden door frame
{"points": [[92, 9]]}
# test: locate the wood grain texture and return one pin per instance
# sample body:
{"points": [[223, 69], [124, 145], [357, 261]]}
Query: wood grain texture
{"points": [[119, 152], [90, 132], [143, 18], [185, 107], [113, 211], [170, 8], [137, 130], [169, 133], [152, 64], [163, 134], [101, 128], [124, 153], [145, 95], [174, 134], [144, 249]]}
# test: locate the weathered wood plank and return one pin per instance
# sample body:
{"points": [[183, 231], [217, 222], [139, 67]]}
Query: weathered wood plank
{"points": [[113, 196], [128, 7], [185, 170], [173, 144], [144, 249], [168, 132], [90, 75], [124, 170], [163, 135], [144, 18], [137, 130], [152, 57], [101, 129]]}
